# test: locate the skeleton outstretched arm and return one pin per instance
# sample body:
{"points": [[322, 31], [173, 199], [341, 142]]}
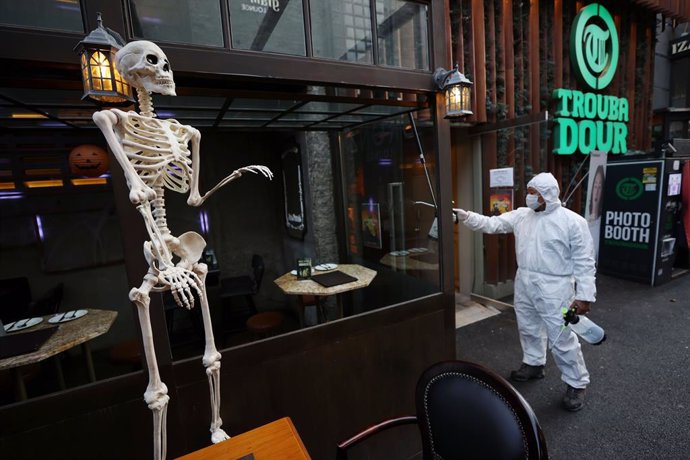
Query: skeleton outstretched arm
{"points": [[138, 191], [195, 199]]}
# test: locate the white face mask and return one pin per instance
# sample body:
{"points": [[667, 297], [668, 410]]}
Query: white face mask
{"points": [[532, 201]]}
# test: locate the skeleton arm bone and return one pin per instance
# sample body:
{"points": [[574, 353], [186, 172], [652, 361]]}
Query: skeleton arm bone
{"points": [[195, 199], [138, 191], [159, 247]]}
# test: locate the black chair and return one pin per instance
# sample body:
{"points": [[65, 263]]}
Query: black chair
{"points": [[16, 300], [246, 286], [465, 411], [49, 303]]}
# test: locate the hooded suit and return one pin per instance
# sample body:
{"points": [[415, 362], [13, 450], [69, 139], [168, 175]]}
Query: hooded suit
{"points": [[555, 257]]}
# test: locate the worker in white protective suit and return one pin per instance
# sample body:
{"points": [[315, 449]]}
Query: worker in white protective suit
{"points": [[556, 269]]}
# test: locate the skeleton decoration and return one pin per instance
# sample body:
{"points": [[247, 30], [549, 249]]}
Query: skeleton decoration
{"points": [[155, 155]]}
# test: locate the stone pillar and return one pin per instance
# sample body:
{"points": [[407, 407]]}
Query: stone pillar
{"points": [[322, 211]]}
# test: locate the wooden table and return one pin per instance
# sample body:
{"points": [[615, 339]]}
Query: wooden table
{"points": [[292, 285], [69, 335], [276, 440]]}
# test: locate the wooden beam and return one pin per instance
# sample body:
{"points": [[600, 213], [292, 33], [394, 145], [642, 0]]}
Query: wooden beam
{"points": [[479, 94]]}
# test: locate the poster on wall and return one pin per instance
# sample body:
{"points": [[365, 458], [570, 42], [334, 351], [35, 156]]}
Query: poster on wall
{"points": [[371, 225], [500, 201], [595, 195]]}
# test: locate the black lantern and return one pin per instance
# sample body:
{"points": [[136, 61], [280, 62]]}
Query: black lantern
{"points": [[103, 84], [458, 91]]}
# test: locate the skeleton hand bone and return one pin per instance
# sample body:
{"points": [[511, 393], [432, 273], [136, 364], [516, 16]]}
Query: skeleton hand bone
{"points": [[255, 169], [196, 200], [181, 283]]}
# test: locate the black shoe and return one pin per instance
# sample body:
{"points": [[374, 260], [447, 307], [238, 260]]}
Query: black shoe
{"points": [[574, 399], [527, 372]]}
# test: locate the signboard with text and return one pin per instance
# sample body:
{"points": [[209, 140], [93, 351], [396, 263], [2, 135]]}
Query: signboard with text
{"points": [[630, 219], [591, 121]]}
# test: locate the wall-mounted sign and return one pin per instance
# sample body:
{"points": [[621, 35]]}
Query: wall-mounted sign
{"points": [[502, 177], [680, 47], [590, 121]]}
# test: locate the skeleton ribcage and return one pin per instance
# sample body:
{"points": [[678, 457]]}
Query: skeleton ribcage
{"points": [[158, 150]]}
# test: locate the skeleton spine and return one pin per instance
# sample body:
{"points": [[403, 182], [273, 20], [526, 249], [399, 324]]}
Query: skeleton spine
{"points": [[158, 205], [145, 103]]}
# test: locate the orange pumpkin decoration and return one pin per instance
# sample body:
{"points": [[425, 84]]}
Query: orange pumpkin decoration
{"points": [[88, 160]]}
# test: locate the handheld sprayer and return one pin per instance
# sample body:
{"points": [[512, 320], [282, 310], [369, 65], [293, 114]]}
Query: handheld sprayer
{"points": [[587, 329]]}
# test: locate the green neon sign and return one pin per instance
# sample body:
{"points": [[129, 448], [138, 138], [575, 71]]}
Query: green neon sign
{"points": [[595, 43], [590, 121]]}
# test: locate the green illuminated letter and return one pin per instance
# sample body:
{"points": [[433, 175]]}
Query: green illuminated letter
{"points": [[565, 136]]}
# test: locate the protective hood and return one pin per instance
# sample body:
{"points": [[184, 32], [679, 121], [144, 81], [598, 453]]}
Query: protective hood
{"points": [[547, 186]]}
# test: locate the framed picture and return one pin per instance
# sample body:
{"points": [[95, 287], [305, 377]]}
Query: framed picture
{"points": [[293, 194], [371, 225]]}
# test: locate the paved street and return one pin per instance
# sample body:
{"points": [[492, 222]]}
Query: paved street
{"points": [[638, 403]]}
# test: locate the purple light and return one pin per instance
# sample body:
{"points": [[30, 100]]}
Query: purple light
{"points": [[385, 162], [39, 225], [52, 124], [371, 205], [203, 222], [68, 7], [151, 19], [165, 114], [11, 195]]}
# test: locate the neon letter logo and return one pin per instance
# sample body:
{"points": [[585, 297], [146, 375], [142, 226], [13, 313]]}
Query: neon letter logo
{"points": [[594, 40]]}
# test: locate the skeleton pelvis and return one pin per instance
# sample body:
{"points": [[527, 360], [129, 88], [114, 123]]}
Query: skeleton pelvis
{"points": [[188, 247]]}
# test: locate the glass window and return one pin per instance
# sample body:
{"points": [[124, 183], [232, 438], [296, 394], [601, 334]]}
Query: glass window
{"points": [[680, 69], [389, 218], [44, 14], [275, 26], [179, 21], [341, 29], [403, 35], [677, 130]]}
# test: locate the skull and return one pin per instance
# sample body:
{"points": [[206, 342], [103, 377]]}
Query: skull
{"points": [[144, 65]]}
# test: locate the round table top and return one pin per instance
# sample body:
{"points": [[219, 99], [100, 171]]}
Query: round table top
{"points": [[292, 285]]}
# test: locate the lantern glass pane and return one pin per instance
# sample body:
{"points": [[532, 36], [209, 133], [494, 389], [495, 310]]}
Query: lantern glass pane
{"points": [[105, 71], [97, 84], [107, 85], [466, 98]]}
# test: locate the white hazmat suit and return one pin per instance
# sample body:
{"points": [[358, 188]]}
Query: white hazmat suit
{"points": [[555, 257]]}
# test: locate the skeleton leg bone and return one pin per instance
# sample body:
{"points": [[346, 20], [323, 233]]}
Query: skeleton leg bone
{"points": [[156, 395], [211, 359]]}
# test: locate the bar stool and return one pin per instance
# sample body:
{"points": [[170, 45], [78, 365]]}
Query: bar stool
{"points": [[266, 324]]}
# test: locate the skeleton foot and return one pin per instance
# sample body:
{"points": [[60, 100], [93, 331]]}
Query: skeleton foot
{"points": [[218, 435]]}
